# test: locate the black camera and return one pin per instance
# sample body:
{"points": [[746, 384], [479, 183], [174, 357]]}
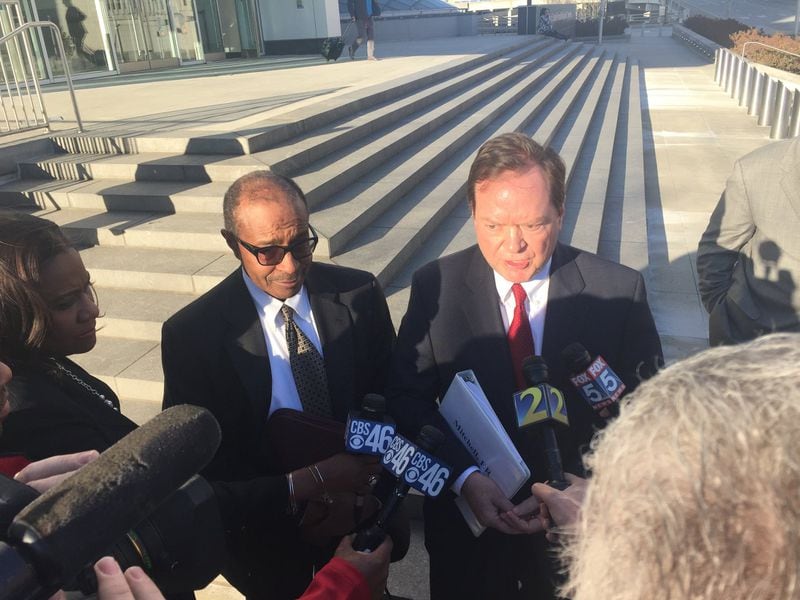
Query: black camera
{"points": [[140, 501], [180, 546]]}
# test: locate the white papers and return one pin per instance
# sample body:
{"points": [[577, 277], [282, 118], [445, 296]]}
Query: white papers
{"points": [[472, 420]]}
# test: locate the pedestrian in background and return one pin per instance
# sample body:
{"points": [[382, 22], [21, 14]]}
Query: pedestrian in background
{"points": [[362, 12]]}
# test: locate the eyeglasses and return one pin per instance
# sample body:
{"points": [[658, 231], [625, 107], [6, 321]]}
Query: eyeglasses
{"points": [[273, 255]]}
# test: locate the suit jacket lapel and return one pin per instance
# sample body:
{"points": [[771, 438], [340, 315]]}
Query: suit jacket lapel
{"points": [[565, 313], [482, 309], [246, 346], [334, 326]]}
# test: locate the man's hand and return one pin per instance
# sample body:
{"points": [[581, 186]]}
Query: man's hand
{"points": [[349, 472], [374, 566], [525, 517], [488, 502], [44, 474], [561, 507], [134, 584]]}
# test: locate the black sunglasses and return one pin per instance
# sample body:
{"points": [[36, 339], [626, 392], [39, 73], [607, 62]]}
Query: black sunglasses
{"points": [[273, 255]]}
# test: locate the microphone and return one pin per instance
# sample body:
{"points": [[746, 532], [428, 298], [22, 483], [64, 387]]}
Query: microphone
{"points": [[71, 525], [543, 405], [415, 467], [594, 380], [368, 431]]}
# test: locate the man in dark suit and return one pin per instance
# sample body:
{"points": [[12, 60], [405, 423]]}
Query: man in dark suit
{"points": [[281, 332], [518, 292]]}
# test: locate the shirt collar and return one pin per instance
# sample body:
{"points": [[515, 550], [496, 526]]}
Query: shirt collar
{"points": [[503, 285], [269, 306]]}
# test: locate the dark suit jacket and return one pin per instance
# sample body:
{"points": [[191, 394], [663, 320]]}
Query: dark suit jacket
{"points": [[52, 414], [214, 355], [453, 323]]}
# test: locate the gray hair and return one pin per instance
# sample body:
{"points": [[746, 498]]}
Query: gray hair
{"points": [[265, 185], [696, 486]]}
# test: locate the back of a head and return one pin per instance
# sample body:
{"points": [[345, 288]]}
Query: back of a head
{"points": [[26, 244], [696, 487]]}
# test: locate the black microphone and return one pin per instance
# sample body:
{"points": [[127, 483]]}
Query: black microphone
{"points": [[368, 431], [414, 466], [543, 405], [593, 379], [71, 525]]}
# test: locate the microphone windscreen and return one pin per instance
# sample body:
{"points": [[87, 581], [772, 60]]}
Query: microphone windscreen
{"points": [[430, 438], [576, 357], [73, 523], [374, 403], [535, 370]]}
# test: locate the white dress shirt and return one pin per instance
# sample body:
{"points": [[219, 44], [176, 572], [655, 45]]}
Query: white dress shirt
{"points": [[536, 289], [284, 390]]}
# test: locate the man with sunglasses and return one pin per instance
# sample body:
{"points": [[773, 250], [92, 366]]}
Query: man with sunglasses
{"points": [[280, 332]]}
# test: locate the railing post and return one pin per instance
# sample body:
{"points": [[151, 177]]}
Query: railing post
{"points": [[747, 85], [738, 80], [68, 78], [726, 59], [780, 120], [729, 70], [794, 124], [754, 100], [733, 68], [716, 65], [767, 104]]}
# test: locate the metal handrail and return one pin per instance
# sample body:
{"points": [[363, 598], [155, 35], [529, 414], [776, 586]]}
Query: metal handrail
{"points": [[67, 76], [770, 47]]}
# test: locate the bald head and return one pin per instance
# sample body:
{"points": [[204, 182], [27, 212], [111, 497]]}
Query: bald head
{"points": [[260, 186]]}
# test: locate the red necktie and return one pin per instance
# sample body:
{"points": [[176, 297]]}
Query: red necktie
{"points": [[520, 338]]}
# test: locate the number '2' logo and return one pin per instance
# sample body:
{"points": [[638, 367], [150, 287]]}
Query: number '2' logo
{"points": [[539, 404]]}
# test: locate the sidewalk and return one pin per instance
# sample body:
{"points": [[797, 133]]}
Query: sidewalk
{"points": [[693, 133]]}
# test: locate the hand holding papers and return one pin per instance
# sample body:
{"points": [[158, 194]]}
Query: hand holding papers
{"points": [[472, 420]]}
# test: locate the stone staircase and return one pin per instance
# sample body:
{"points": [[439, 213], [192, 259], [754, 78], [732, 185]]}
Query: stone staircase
{"points": [[384, 171]]}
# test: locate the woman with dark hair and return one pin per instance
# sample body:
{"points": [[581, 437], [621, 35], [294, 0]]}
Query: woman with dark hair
{"points": [[48, 312]]}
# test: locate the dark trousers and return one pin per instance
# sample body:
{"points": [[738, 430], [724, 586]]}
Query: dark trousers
{"points": [[491, 567]]}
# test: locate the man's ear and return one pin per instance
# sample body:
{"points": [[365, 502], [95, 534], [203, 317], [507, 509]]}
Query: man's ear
{"points": [[230, 239]]}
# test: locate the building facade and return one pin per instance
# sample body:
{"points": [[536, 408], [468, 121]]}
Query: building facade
{"points": [[122, 36]]}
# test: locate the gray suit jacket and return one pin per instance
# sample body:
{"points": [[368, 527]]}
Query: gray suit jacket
{"points": [[748, 261]]}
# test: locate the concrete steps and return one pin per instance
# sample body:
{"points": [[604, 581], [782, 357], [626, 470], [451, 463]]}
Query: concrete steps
{"points": [[591, 167], [134, 268], [333, 174], [347, 220], [384, 169], [116, 195], [624, 230], [385, 245], [149, 166]]}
